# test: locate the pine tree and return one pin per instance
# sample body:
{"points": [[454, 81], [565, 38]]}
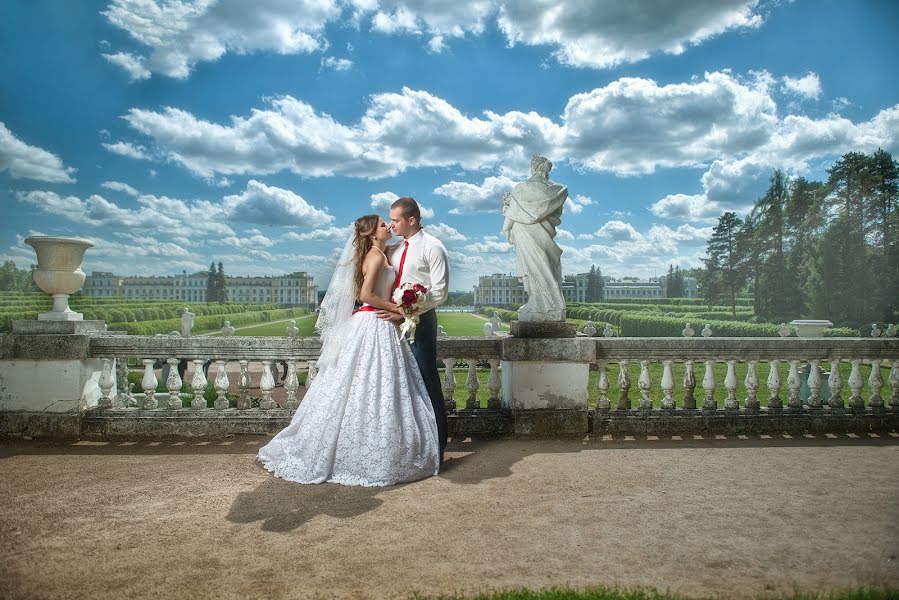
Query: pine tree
{"points": [[724, 274], [220, 288], [210, 283]]}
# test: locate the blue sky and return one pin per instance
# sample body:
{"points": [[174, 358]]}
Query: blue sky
{"points": [[176, 133]]}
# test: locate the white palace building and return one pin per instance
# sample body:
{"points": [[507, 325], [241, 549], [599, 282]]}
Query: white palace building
{"points": [[503, 290], [295, 289]]}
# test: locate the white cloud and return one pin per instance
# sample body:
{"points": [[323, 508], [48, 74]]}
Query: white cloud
{"points": [[445, 233], [436, 45], [470, 197], [397, 132], [333, 234], [606, 33], [618, 231], [491, 244], [686, 207], [253, 242], [721, 122], [133, 65], [577, 203], [24, 161], [564, 234], [447, 19], [128, 149], [337, 64], [268, 205], [178, 35], [381, 202], [118, 186], [808, 86]]}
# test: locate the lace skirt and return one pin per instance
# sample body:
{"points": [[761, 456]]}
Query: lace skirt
{"points": [[367, 420]]}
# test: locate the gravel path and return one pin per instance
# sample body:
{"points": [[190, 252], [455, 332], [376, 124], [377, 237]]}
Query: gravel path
{"points": [[199, 519]]}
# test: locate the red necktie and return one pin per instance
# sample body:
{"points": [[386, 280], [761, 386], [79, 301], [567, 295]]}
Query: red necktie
{"points": [[399, 273]]}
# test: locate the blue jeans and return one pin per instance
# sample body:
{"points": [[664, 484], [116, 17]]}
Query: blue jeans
{"points": [[425, 351]]}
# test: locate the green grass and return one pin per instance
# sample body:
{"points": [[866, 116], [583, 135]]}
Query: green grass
{"points": [[605, 593], [454, 324], [306, 325], [463, 324]]}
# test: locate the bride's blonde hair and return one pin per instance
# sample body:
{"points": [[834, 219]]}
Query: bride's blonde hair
{"points": [[364, 230]]}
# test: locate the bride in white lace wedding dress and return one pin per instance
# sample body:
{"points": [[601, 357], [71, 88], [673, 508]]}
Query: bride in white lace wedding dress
{"points": [[366, 419]]}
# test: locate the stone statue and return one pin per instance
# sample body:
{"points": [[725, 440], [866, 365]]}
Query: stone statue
{"points": [[227, 329], [488, 329], [292, 329], [187, 322], [532, 211]]}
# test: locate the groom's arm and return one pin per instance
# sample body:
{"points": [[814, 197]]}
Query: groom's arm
{"points": [[437, 263]]}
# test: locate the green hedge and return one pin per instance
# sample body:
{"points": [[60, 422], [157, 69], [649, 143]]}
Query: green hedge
{"points": [[639, 325], [208, 323]]}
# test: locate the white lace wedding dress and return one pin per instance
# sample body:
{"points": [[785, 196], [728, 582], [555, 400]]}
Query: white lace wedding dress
{"points": [[365, 420]]}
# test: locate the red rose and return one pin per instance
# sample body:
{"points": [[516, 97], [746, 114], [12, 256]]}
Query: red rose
{"points": [[409, 297], [419, 288]]}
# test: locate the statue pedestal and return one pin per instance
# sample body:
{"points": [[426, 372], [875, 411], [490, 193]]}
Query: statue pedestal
{"points": [[543, 329], [545, 382]]}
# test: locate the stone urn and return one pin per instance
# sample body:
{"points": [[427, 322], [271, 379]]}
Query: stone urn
{"points": [[59, 272], [810, 327]]}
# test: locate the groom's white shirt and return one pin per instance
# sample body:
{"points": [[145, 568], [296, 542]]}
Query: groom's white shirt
{"points": [[425, 264]]}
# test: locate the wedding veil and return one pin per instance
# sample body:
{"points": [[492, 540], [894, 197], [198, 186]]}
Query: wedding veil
{"points": [[337, 306]]}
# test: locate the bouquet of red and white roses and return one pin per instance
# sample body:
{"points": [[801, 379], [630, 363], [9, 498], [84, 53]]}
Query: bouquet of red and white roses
{"points": [[409, 297]]}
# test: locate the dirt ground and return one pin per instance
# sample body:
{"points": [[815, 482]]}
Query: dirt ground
{"points": [[701, 517]]}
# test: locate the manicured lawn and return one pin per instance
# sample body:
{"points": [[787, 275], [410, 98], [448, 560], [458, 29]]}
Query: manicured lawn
{"points": [[306, 325], [463, 324]]}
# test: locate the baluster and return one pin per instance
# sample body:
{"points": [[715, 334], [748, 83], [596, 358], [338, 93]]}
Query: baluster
{"points": [[689, 385], [174, 383], [243, 384], [856, 383], [875, 381], [123, 399], [835, 383], [472, 384], [313, 373], [106, 384], [493, 384], [149, 383], [221, 385], [266, 385], [814, 385], [449, 383], [793, 384], [198, 383], [730, 383], [894, 385], [774, 401], [291, 385], [751, 381], [645, 384], [708, 384], [667, 386], [624, 386], [602, 383]]}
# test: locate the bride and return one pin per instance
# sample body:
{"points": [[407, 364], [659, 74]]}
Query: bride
{"points": [[366, 419]]}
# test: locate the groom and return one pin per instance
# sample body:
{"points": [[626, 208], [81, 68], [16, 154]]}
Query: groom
{"points": [[421, 259]]}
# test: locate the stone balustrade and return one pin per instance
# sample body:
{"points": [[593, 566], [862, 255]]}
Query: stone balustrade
{"points": [[493, 385]]}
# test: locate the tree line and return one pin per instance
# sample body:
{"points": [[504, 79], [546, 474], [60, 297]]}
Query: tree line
{"points": [[14, 279], [813, 249]]}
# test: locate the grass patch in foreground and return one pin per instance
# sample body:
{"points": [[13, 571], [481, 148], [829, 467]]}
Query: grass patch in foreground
{"points": [[602, 593]]}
